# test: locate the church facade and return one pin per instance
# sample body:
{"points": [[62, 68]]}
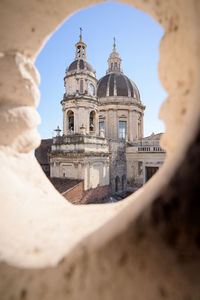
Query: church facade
{"points": [[102, 141]]}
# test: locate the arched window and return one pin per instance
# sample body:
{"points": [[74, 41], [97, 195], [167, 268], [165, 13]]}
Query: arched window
{"points": [[79, 51], [92, 120], [117, 183], [70, 116], [139, 126], [91, 89], [123, 182]]}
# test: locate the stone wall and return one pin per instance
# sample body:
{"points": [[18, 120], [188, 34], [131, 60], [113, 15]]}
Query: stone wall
{"points": [[155, 257], [112, 110], [81, 157], [137, 162], [81, 114], [118, 167]]}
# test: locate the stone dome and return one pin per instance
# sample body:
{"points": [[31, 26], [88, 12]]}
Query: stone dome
{"points": [[80, 64], [117, 84]]}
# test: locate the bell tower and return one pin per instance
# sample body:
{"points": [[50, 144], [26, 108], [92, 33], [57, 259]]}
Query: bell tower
{"points": [[81, 153], [80, 105]]}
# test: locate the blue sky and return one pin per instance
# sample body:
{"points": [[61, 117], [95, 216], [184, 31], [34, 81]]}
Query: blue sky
{"points": [[137, 39]]}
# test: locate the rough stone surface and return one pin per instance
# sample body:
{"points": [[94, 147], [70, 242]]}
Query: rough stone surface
{"points": [[124, 256], [156, 257]]}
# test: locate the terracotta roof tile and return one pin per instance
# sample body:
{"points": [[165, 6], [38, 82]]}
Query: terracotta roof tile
{"points": [[64, 184]]}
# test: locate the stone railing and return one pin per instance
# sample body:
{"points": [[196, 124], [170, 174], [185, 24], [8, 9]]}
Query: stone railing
{"points": [[150, 149]]}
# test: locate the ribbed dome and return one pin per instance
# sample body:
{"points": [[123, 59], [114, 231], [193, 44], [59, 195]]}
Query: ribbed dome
{"points": [[80, 64], [116, 84]]}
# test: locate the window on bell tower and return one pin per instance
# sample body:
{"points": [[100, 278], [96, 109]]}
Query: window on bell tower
{"points": [[92, 120], [70, 116], [92, 89], [79, 51]]}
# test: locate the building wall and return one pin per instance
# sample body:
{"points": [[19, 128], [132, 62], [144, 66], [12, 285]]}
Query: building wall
{"points": [[115, 109], [118, 168], [81, 109], [137, 162], [93, 170], [72, 83]]}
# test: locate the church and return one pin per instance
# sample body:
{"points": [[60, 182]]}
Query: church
{"points": [[102, 144]]}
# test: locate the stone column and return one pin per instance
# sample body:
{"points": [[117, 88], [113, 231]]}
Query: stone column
{"points": [[97, 123], [51, 168], [107, 173], [142, 126], [64, 121], [76, 121], [81, 120], [104, 174], [106, 130], [86, 175], [135, 124], [130, 125], [111, 123], [115, 125], [80, 170], [87, 120]]}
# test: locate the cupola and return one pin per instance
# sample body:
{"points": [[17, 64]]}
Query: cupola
{"points": [[80, 48], [114, 61], [115, 83], [80, 63]]}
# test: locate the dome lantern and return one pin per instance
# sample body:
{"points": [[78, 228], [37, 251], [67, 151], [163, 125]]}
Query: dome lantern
{"points": [[80, 48], [114, 61]]}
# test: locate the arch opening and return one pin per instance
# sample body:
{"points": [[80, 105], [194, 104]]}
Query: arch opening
{"points": [[43, 191], [119, 106], [92, 121], [70, 119]]}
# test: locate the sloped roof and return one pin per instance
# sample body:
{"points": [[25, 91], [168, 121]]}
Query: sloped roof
{"points": [[64, 184]]}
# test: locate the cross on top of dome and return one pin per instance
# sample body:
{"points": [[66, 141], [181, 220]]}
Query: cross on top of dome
{"points": [[114, 45]]}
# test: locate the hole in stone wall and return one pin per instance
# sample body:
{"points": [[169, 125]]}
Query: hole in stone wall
{"points": [[116, 114]]}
